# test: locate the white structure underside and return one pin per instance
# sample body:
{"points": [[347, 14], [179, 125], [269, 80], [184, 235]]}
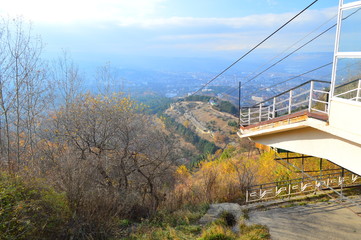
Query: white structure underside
{"points": [[338, 140]]}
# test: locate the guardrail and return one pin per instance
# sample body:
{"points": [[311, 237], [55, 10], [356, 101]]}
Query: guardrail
{"points": [[299, 186], [350, 90], [311, 95]]}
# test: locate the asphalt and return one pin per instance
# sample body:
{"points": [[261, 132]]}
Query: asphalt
{"points": [[323, 220]]}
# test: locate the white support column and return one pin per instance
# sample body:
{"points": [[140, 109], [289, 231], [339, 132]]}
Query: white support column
{"points": [[274, 108], [310, 100], [290, 102], [335, 58], [260, 112]]}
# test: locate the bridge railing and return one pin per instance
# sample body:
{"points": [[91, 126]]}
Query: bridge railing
{"points": [[350, 90], [312, 95]]}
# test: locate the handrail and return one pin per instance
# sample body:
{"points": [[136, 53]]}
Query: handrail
{"points": [[349, 91], [345, 84], [353, 94], [287, 102], [280, 94]]}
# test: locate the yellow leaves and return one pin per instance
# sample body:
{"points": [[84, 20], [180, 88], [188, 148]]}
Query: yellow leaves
{"points": [[218, 152], [225, 178], [183, 172], [213, 181], [266, 167]]}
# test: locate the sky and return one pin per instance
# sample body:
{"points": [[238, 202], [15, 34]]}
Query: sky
{"points": [[103, 30]]}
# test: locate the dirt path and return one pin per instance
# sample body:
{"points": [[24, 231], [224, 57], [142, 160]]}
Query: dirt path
{"points": [[326, 220]]}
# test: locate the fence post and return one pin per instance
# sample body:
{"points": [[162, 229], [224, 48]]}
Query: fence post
{"points": [[310, 100], [290, 103]]}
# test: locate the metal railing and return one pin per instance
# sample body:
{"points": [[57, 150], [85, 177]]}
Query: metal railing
{"points": [[299, 186], [350, 90], [311, 96]]}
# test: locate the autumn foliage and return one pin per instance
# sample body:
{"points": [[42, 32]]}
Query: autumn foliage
{"points": [[220, 178], [225, 177]]}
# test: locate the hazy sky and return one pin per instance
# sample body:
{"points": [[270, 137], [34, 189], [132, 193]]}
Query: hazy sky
{"points": [[172, 28]]}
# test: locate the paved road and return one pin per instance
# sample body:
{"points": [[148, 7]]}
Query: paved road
{"points": [[326, 220]]}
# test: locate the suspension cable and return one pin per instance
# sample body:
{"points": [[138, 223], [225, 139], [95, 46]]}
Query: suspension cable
{"points": [[255, 47]]}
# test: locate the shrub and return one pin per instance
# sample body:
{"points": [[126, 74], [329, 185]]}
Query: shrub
{"points": [[225, 106], [138, 212], [255, 231], [198, 98], [217, 232], [232, 123], [31, 210], [184, 216]]}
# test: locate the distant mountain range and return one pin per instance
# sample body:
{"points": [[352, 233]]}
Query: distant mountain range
{"points": [[179, 76]]}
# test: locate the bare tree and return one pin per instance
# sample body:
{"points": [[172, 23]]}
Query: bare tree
{"points": [[121, 149], [107, 80], [22, 85], [67, 79]]}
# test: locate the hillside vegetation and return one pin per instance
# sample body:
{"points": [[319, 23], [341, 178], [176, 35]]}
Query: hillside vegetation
{"points": [[207, 122], [99, 165], [218, 104]]}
